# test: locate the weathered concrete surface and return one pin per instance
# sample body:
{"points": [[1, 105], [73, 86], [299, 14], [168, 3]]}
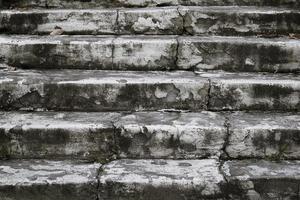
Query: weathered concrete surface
{"points": [[48, 135], [90, 52], [164, 21], [193, 20], [71, 21], [253, 91], [171, 135], [75, 90], [161, 180], [263, 180], [246, 54], [145, 53], [80, 4], [240, 20], [264, 135], [76, 52], [48, 180]]}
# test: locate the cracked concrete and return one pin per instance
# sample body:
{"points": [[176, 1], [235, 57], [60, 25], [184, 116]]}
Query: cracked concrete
{"points": [[159, 21], [244, 54]]}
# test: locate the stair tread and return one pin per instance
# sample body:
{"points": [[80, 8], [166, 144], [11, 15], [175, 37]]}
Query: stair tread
{"points": [[155, 178], [44, 179]]}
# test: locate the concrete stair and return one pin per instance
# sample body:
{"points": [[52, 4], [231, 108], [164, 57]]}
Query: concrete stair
{"points": [[149, 100], [219, 20]]}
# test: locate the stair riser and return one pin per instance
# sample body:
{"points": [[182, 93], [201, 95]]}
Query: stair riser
{"points": [[144, 3], [86, 143], [238, 54], [227, 95], [160, 21], [129, 53]]}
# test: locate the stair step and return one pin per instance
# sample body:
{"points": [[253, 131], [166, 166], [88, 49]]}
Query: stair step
{"points": [[161, 179], [245, 54], [144, 135], [199, 179], [41, 179], [192, 20], [149, 179], [143, 3], [263, 179], [90, 52], [240, 20], [77, 90], [51, 135], [273, 136], [253, 91]]}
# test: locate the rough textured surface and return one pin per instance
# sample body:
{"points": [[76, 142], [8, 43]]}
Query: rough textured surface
{"points": [[102, 90], [239, 20], [171, 135], [151, 53], [89, 52], [57, 135], [192, 20], [48, 180], [150, 21], [145, 53], [249, 54], [71, 21], [245, 91], [160, 180], [263, 180], [264, 135], [143, 3], [84, 52]]}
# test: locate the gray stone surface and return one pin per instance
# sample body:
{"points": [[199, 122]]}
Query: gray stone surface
{"points": [[253, 91], [246, 54], [49, 135], [263, 180], [48, 180], [75, 90], [90, 52], [143, 3], [193, 20], [145, 53], [150, 21], [239, 20], [264, 135], [71, 21], [161, 180], [171, 135], [76, 52]]}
